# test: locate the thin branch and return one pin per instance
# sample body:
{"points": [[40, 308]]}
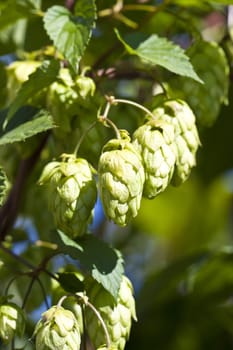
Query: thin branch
{"points": [[28, 291], [96, 312], [43, 291], [84, 328], [35, 270], [9, 211]]}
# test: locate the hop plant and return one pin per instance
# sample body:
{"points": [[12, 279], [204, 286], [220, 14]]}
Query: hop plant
{"points": [[4, 186], [154, 141], [12, 321], [72, 193], [85, 86], [121, 179], [17, 73], [57, 329], [117, 315], [186, 142], [210, 63], [86, 124], [62, 102]]}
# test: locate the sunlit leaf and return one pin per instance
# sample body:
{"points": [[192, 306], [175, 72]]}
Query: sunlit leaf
{"points": [[70, 32], [158, 51], [211, 64], [43, 121]]}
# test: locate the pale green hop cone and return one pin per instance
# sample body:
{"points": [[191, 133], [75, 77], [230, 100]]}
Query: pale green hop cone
{"points": [[57, 329], [12, 321], [62, 102], [121, 178], [117, 315], [85, 86], [186, 143], [72, 193], [154, 141], [4, 186]]}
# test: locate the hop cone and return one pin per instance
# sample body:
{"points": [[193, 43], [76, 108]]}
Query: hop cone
{"points": [[12, 321], [85, 86], [154, 140], [4, 186], [186, 143], [57, 329], [210, 63], [121, 179], [62, 102], [117, 315], [72, 193]]}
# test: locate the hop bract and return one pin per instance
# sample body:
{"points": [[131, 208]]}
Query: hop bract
{"points": [[12, 321], [186, 142], [154, 141], [117, 315], [57, 329], [121, 179], [72, 193]]}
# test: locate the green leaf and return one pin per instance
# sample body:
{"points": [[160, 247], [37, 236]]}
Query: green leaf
{"points": [[66, 244], [15, 10], [70, 282], [211, 64], [40, 79], [43, 121], [69, 32], [162, 52], [23, 115], [104, 263], [4, 186]]}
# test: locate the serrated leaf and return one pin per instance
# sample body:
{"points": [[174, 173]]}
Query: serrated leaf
{"points": [[23, 115], [157, 51], [4, 186], [104, 263], [70, 32], [15, 10], [66, 244], [40, 79], [210, 62], [43, 121]]}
